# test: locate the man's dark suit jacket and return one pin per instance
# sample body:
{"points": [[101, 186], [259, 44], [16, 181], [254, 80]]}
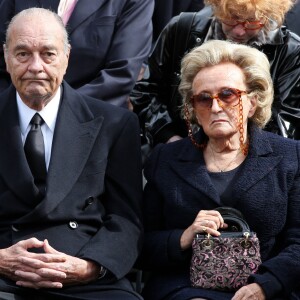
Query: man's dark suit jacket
{"points": [[110, 39], [266, 191], [94, 185]]}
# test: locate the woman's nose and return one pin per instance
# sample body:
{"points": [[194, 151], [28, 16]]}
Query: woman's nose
{"points": [[216, 105]]}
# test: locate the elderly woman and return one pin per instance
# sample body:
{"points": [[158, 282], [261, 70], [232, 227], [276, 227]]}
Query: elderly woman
{"points": [[257, 23], [229, 161]]}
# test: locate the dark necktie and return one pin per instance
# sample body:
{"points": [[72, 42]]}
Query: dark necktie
{"points": [[35, 153]]}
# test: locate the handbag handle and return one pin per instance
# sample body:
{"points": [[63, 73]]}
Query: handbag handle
{"points": [[234, 218], [227, 210], [235, 224]]}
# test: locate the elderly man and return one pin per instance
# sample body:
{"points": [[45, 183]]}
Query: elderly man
{"points": [[69, 210]]}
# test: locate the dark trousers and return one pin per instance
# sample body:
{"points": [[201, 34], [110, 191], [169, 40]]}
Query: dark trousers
{"points": [[9, 291]]}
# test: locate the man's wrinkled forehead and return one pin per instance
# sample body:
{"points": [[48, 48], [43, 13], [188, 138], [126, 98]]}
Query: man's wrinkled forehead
{"points": [[34, 32]]}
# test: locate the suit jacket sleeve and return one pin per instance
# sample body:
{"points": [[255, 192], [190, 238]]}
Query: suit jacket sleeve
{"points": [[130, 46], [118, 242]]}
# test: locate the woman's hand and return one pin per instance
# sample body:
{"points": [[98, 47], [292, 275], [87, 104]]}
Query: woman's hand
{"points": [[208, 221], [251, 291]]}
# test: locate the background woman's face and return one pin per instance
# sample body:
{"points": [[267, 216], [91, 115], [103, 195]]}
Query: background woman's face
{"points": [[238, 33], [219, 121], [242, 30]]}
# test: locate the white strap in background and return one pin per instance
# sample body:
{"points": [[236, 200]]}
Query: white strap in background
{"points": [[65, 9]]}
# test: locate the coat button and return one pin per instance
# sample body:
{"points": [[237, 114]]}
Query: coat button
{"points": [[73, 224], [14, 228], [89, 200]]}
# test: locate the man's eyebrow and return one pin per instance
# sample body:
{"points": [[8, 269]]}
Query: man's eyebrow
{"points": [[20, 47], [24, 46], [49, 47]]}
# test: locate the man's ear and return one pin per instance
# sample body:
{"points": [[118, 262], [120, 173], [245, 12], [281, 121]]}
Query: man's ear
{"points": [[67, 54], [5, 51], [68, 51]]}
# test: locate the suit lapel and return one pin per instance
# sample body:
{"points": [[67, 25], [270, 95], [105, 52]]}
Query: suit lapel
{"points": [[83, 9], [75, 132], [14, 168], [191, 167], [259, 163]]}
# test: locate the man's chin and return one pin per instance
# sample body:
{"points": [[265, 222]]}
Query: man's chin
{"points": [[35, 96], [36, 91], [35, 99]]}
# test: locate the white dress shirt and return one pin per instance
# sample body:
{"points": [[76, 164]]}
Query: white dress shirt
{"points": [[48, 113]]}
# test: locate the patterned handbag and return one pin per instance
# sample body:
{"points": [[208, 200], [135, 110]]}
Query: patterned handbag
{"points": [[225, 262]]}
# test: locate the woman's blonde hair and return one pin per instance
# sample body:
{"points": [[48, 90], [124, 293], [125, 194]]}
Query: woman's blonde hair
{"points": [[253, 63], [272, 10]]}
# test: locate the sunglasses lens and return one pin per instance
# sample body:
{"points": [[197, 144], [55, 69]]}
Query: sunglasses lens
{"points": [[203, 99], [229, 96]]}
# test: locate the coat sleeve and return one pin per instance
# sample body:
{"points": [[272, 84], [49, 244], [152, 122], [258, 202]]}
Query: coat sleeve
{"points": [[285, 68], [117, 244], [157, 119], [282, 272], [285, 71]]}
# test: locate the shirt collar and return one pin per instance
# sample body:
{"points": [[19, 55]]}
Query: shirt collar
{"points": [[48, 113]]}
